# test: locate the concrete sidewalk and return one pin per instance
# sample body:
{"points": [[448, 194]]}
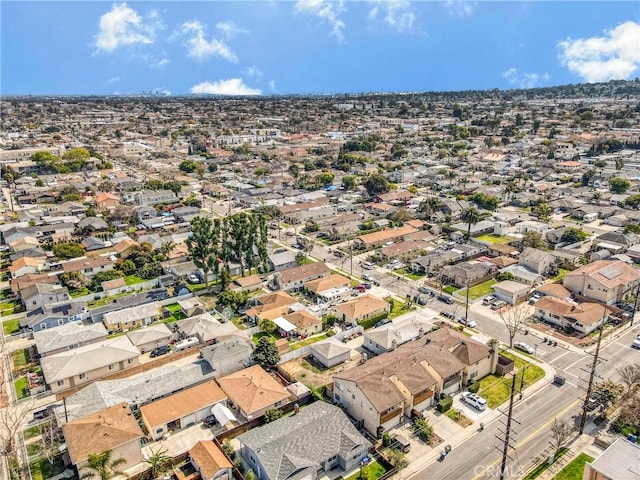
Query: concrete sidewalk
{"points": [[416, 468]]}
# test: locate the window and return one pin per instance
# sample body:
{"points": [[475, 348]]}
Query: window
{"points": [[130, 361], [111, 367], [278, 403], [60, 383], [473, 375], [82, 376]]}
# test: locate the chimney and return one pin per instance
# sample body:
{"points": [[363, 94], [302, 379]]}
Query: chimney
{"points": [[394, 344], [296, 409], [421, 332]]}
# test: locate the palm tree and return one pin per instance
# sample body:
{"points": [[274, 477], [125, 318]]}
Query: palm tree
{"points": [[429, 206], [596, 197], [102, 466], [160, 462], [470, 216], [450, 174]]}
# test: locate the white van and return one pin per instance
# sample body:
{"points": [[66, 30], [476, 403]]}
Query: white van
{"points": [[186, 343]]}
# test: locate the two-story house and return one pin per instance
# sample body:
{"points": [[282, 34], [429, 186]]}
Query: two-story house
{"points": [[605, 281], [537, 261]]}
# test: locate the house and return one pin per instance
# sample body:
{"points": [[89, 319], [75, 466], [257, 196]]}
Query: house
{"points": [[92, 224], [229, 355], [315, 440], [125, 247], [618, 461], [330, 352], [86, 364], [50, 316], [246, 284], [510, 291], [390, 336], [537, 261], [253, 391], [377, 239], [499, 249], [106, 201], [136, 390], [41, 294], [69, 336], [603, 280], [114, 429], [181, 410], [131, 318], [87, 266], [467, 273], [147, 338], [584, 318], [210, 461], [304, 322], [381, 390], [362, 308], [207, 329], [555, 290], [523, 275], [270, 305], [192, 306], [295, 278], [324, 287], [26, 265], [154, 197]]}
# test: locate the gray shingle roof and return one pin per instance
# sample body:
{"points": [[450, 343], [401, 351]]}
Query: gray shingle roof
{"points": [[304, 440]]}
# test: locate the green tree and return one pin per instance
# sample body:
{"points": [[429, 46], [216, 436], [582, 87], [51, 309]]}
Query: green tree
{"points": [[470, 216], [301, 258], [74, 280], [423, 428], [231, 299], [632, 228], [376, 184], [348, 182], [633, 201], [160, 462], [534, 240], [543, 212], [573, 235], [268, 326], [324, 179], [151, 270], [203, 245], [188, 166], [619, 185], [266, 353], [102, 466], [429, 206], [619, 163], [68, 250], [294, 170], [128, 267], [272, 415]]}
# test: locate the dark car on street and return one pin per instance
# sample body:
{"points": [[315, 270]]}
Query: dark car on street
{"points": [[156, 352]]}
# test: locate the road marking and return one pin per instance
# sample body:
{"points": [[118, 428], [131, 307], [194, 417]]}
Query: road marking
{"points": [[530, 437], [559, 356]]}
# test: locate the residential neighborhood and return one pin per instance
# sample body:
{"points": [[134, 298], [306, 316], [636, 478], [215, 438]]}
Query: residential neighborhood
{"points": [[313, 288]]}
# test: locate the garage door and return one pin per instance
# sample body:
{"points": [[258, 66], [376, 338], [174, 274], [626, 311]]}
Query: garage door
{"points": [[188, 420]]}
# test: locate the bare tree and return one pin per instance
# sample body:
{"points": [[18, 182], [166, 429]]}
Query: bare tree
{"points": [[560, 433], [12, 418], [515, 319], [630, 375], [50, 443]]}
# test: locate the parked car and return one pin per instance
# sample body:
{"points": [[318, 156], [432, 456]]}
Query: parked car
{"points": [[360, 288], [424, 290], [445, 299], [636, 342], [186, 343], [210, 421], [525, 347], [498, 305], [382, 322], [158, 351], [421, 300], [446, 314], [44, 413], [193, 278], [367, 265], [474, 400], [488, 300], [467, 322], [535, 297], [367, 277]]}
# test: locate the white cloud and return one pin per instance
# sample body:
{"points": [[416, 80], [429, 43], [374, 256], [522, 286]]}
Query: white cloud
{"points": [[123, 26], [460, 8], [524, 80], [398, 14], [161, 92], [253, 71], [615, 55], [328, 11], [230, 29], [231, 86], [161, 63], [113, 80], [272, 86], [198, 46]]}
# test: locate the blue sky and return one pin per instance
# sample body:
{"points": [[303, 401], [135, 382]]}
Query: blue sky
{"points": [[312, 46]]}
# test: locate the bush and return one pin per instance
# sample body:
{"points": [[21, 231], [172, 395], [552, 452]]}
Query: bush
{"points": [[474, 387], [386, 439], [272, 415], [330, 333], [445, 404]]}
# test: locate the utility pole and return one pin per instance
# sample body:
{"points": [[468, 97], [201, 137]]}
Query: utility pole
{"points": [[466, 305], [635, 304], [583, 420], [507, 432]]}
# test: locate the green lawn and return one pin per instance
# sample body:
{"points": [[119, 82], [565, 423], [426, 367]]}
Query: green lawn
{"points": [[502, 239], [195, 287], [411, 275], [449, 289], [31, 432], [257, 336], [79, 293], [174, 317], [561, 273], [495, 389], [398, 309], [7, 308], [34, 449], [540, 469], [11, 326], [575, 469], [20, 358], [22, 387], [308, 341], [373, 470], [173, 307], [41, 469], [479, 290], [133, 279]]}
